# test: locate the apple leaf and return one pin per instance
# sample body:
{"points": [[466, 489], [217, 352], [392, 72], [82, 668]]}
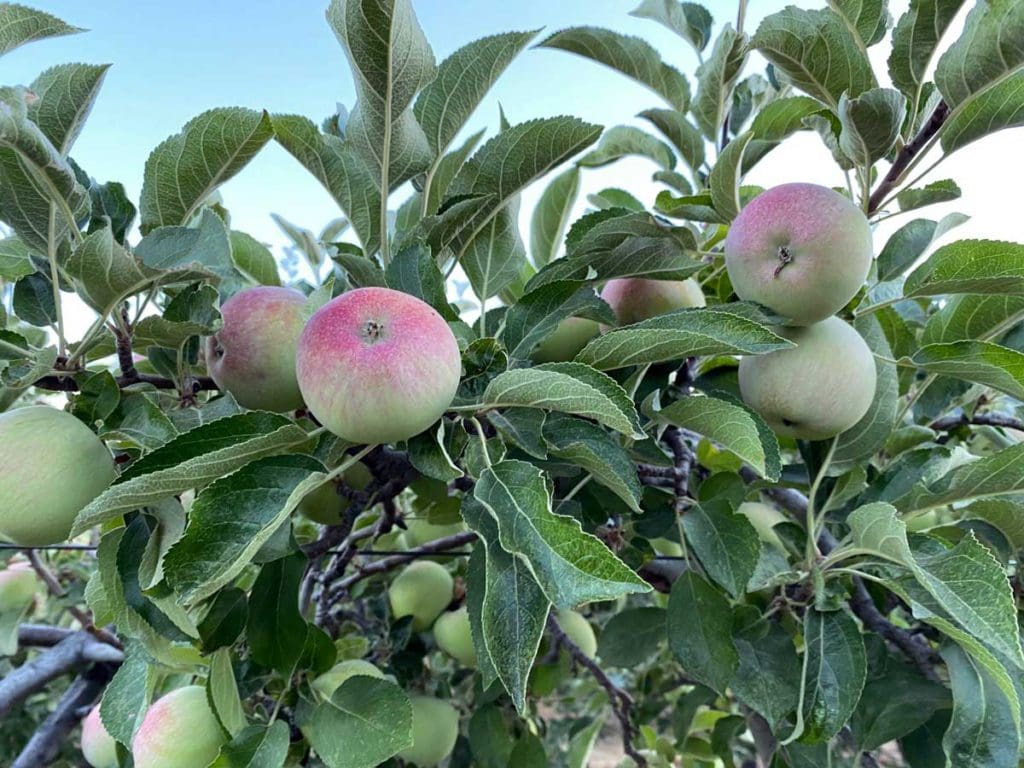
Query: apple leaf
{"points": [[970, 266], [725, 542], [981, 362], [538, 313], [835, 671], [681, 133], [716, 77], [690, 21], [699, 621], [551, 216], [222, 693], [20, 25], [255, 746], [624, 140], [64, 97]]}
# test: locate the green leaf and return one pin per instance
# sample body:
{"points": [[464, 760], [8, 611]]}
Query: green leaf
{"points": [[512, 610], [1006, 515], [256, 747], [769, 671], [817, 51], [127, 695], [716, 77], [336, 166], [495, 256], [276, 631], [725, 177], [15, 261], [429, 454], [551, 216], [184, 170], [680, 132], [20, 25], [870, 433], [391, 62], [633, 57], [981, 362], [193, 312], [222, 692], [139, 420], [568, 388], [877, 527], [983, 732], [462, 81], [988, 51], [225, 619], [835, 670], [366, 721], [699, 622], [632, 637], [914, 42], [1000, 474], [896, 701], [726, 544], [729, 425], [624, 140], [413, 270], [869, 18], [995, 109], [204, 248], [690, 21], [572, 567], [908, 243], [523, 428], [192, 460], [64, 98], [680, 334], [587, 445], [943, 191], [253, 259], [538, 313], [476, 588], [970, 266], [232, 518], [871, 124], [32, 300], [784, 117], [688, 207]]}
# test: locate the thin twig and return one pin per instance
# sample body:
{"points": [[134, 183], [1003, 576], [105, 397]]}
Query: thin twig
{"points": [[622, 702], [906, 155], [394, 561], [68, 384], [948, 423]]}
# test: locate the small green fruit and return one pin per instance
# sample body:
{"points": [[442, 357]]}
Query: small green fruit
{"points": [[178, 731], [764, 518], [17, 587], [578, 630], [98, 747], [815, 390], [331, 680], [633, 299], [325, 505], [667, 547], [435, 727], [565, 342], [422, 590], [419, 531], [453, 636]]}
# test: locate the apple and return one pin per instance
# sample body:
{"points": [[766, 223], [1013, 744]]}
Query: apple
{"points": [[453, 636], [633, 299], [764, 518], [377, 365], [815, 390], [98, 747], [17, 587], [178, 731], [325, 505], [420, 531], [422, 590], [435, 727], [253, 355], [578, 630], [801, 250], [667, 547], [564, 343], [52, 466], [327, 683]]}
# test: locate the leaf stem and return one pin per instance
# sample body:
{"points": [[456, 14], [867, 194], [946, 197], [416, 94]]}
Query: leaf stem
{"points": [[812, 522], [51, 254]]}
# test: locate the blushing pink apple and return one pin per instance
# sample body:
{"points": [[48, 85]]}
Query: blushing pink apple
{"points": [[178, 731], [253, 355], [98, 747], [801, 250], [633, 299], [377, 365]]}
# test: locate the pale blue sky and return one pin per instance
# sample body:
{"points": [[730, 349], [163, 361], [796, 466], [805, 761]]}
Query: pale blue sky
{"points": [[173, 60]]}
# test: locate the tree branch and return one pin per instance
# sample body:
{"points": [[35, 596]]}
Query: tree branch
{"points": [[904, 157], [41, 635], [622, 702], [948, 423], [68, 384], [70, 653]]}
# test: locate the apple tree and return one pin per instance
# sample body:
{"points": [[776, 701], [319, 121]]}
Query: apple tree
{"points": [[720, 478]]}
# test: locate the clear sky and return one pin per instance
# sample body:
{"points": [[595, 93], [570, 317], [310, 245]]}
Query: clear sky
{"points": [[173, 60]]}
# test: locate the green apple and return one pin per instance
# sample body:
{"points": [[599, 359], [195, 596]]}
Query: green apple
{"points": [[764, 518], [453, 636], [325, 505], [17, 587], [565, 342], [178, 731], [98, 747], [420, 531], [578, 630], [331, 680], [422, 590], [435, 727], [633, 299]]}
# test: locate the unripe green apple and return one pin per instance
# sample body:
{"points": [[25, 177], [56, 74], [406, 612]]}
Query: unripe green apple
{"points": [[377, 365], [331, 680], [667, 547], [98, 747], [253, 355], [801, 250], [435, 727], [17, 587], [422, 590], [52, 466], [633, 299], [815, 390], [419, 531], [578, 630], [565, 342], [178, 731], [764, 518], [453, 636], [325, 505]]}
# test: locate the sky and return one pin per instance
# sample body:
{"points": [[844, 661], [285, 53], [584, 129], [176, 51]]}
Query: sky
{"points": [[173, 60]]}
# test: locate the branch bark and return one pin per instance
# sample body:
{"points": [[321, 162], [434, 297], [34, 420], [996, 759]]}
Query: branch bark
{"points": [[948, 423], [904, 157], [68, 384]]}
